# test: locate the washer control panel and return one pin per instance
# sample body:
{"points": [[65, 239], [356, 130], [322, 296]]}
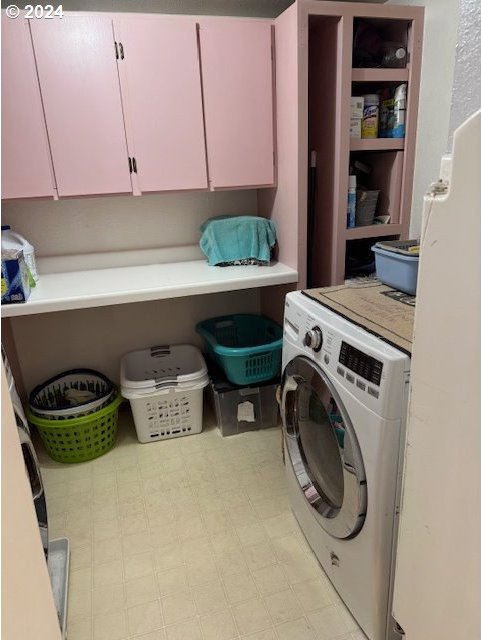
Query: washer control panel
{"points": [[360, 363], [344, 360]]}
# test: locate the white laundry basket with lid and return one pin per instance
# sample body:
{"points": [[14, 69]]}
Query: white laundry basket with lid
{"points": [[164, 385]]}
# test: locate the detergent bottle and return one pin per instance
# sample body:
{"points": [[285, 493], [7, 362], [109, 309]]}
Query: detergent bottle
{"points": [[13, 240]]}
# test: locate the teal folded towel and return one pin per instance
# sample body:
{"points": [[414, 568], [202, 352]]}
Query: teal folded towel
{"points": [[237, 239]]}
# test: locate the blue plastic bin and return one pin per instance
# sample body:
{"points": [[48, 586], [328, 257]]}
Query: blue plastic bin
{"points": [[397, 270], [248, 347]]}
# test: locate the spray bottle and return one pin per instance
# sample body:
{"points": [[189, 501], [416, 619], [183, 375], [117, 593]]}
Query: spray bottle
{"points": [[351, 202]]}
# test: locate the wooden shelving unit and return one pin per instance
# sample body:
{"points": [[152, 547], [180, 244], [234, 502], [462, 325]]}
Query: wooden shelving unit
{"points": [[314, 63], [315, 80]]}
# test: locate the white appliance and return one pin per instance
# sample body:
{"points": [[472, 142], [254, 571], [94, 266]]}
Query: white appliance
{"points": [[344, 405], [438, 573]]}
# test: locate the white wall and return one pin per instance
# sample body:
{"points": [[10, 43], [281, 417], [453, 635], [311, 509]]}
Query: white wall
{"points": [[467, 71], [87, 225], [97, 338], [440, 34]]}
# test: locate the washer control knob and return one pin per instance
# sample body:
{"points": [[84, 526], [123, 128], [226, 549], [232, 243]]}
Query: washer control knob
{"points": [[313, 339]]}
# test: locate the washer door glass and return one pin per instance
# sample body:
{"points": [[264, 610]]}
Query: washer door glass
{"points": [[323, 449]]}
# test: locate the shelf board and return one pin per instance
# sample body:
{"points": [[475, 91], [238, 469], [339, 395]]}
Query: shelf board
{"points": [[380, 75], [376, 144], [84, 289], [373, 231]]}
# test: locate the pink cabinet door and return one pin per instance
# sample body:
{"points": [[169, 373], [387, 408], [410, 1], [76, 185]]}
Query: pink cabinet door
{"points": [[26, 166], [81, 95], [162, 97], [236, 58]]}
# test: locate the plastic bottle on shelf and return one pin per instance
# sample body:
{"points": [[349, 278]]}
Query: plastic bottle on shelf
{"points": [[13, 240], [394, 55], [386, 113], [399, 118], [351, 202], [370, 116]]}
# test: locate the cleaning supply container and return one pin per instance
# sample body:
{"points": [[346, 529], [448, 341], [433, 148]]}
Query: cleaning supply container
{"points": [[248, 347], [399, 118], [79, 439], [370, 116], [397, 264], [164, 385], [13, 240], [351, 202]]}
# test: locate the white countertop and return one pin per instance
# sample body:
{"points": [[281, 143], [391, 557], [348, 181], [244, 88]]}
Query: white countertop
{"points": [[80, 289]]}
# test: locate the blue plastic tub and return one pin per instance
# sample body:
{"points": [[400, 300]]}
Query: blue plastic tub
{"points": [[397, 270], [248, 347]]}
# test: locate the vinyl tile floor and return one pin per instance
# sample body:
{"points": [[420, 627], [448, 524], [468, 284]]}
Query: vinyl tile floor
{"points": [[189, 539]]}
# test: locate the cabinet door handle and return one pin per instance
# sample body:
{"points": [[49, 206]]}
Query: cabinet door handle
{"points": [[130, 164], [134, 165], [116, 51], [121, 47]]}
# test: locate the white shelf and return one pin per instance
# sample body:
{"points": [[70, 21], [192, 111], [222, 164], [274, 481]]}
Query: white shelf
{"points": [[376, 144], [373, 231], [84, 289]]}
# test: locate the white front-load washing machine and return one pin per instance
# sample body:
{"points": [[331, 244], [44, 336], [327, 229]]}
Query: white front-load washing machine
{"points": [[344, 406]]}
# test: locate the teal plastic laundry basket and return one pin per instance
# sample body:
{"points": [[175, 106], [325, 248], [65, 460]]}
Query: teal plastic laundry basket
{"points": [[248, 347]]}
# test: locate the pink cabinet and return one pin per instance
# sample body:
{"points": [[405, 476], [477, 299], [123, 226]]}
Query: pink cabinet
{"points": [[80, 89], [236, 57], [162, 98], [26, 166], [111, 104]]}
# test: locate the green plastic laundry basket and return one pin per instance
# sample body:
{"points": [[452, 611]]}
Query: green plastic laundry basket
{"points": [[79, 439], [248, 347]]}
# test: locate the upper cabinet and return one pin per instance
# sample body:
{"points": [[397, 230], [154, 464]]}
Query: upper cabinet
{"points": [[118, 104], [236, 59], [162, 98], [26, 166], [83, 109]]}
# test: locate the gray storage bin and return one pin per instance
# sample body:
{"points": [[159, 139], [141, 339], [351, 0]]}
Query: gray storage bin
{"points": [[395, 267], [241, 408], [245, 408]]}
